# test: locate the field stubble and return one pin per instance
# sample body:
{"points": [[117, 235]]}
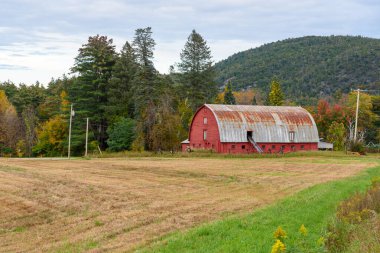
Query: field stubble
{"points": [[119, 204]]}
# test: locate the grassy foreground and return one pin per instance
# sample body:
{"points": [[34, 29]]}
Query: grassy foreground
{"points": [[314, 207]]}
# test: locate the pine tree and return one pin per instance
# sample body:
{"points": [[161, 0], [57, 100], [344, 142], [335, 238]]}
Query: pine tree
{"points": [[121, 134], [229, 98], [275, 96], [145, 88], [197, 72], [120, 98], [145, 79], [88, 93]]}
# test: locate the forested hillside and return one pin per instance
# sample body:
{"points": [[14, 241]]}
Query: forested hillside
{"points": [[308, 67]]}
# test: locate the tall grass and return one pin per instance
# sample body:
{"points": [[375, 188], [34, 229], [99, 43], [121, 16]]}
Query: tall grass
{"points": [[356, 227], [314, 207]]}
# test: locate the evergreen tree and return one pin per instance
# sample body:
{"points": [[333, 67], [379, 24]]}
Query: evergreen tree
{"points": [[229, 98], [121, 134], [145, 78], [275, 96], [197, 72], [120, 99], [254, 101], [88, 93], [145, 88]]}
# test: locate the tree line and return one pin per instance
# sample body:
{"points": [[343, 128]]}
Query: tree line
{"points": [[131, 106]]}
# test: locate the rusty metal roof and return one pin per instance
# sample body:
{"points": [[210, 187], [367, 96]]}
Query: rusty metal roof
{"points": [[267, 123]]}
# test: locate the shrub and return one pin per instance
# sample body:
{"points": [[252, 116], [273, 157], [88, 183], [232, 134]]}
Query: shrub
{"points": [[7, 151], [121, 135], [356, 146], [356, 216]]}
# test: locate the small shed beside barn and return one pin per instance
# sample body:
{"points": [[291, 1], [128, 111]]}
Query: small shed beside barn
{"points": [[322, 145], [252, 128]]}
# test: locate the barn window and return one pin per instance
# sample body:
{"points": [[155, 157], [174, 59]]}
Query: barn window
{"points": [[293, 147], [302, 146], [291, 136], [233, 146], [273, 146], [242, 146], [204, 134], [263, 146], [205, 121]]}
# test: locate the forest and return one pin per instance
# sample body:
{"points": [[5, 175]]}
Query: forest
{"points": [[131, 106], [310, 67]]}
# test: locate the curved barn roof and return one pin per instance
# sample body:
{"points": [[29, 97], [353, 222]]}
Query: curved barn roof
{"points": [[267, 123]]}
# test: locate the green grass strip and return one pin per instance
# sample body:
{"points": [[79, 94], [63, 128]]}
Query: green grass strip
{"points": [[313, 207]]}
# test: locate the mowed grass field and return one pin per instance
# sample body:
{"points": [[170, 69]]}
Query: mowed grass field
{"points": [[122, 204]]}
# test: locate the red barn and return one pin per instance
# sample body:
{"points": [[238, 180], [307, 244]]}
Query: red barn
{"points": [[252, 128]]}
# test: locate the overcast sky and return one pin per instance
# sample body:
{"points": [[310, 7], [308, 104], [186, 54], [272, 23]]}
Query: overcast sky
{"points": [[39, 39]]}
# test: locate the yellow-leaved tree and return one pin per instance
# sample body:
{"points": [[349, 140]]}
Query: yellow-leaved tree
{"points": [[52, 134], [9, 126]]}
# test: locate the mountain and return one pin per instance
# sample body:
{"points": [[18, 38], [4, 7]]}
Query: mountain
{"points": [[308, 67]]}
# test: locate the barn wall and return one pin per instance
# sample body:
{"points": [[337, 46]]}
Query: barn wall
{"points": [[197, 128], [184, 146], [246, 147]]}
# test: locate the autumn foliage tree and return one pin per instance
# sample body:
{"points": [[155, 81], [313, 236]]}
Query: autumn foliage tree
{"points": [[275, 96], [366, 115], [244, 97], [168, 131], [52, 134], [336, 134], [51, 137], [9, 124]]}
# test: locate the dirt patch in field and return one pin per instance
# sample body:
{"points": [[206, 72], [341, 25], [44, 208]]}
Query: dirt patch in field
{"points": [[104, 205]]}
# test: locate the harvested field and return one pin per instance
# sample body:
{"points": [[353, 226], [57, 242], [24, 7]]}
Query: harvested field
{"points": [[117, 205]]}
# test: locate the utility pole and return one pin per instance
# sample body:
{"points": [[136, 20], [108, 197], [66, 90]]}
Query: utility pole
{"points": [[357, 112], [86, 139], [71, 119]]}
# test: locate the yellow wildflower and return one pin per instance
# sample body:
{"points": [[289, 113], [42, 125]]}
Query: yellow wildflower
{"points": [[303, 230], [321, 241], [278, 247], [279, 234]]}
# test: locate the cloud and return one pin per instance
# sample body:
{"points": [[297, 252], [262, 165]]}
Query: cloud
{"points": [[44, 36], [12, 67]]}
